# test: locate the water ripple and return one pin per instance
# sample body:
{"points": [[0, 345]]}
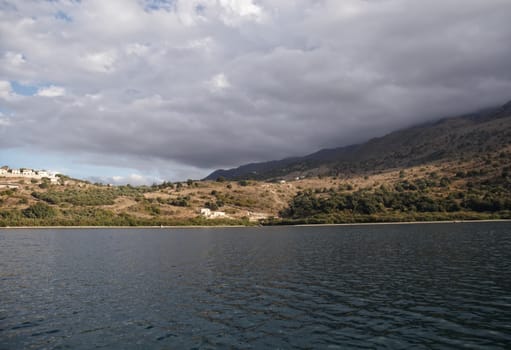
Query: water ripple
{"points": [[398, 287]]}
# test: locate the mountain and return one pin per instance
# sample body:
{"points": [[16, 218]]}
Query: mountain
{"points": [[454, 138]]}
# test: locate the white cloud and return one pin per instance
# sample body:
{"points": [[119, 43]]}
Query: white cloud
{"points": [[219, 82], [234, 10], [201, 43], [136, 49], [5, 90], [132, 179], [4, 121], [102, 62], [148, 102], [51, 91], [232, 13], [14, 59], [94, 97]]}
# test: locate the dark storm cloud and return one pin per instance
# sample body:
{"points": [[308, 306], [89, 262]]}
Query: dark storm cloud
{"points": [[242, 80]]}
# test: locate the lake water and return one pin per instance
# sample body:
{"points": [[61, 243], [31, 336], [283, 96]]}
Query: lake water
{"points": [[389, 286]]}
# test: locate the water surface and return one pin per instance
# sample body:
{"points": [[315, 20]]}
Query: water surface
{"points": [[391, 286]]}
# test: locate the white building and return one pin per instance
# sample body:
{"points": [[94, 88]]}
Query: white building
{"points": [[29, 173], [207, 213]]}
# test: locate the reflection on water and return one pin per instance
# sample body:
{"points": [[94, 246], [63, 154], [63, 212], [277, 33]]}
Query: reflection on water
{"points": [[396, 286]]}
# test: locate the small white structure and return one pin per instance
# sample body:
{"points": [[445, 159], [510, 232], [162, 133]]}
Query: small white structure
{"points": [[207, 213], [3, 171], [43, 173], [27, 172], [16, 172], [217, 214]]}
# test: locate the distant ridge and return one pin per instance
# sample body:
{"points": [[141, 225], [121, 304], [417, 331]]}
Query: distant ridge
{"points": [[448, 138]]}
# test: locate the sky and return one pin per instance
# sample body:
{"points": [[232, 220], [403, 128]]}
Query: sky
{"points": [[142, 91]]}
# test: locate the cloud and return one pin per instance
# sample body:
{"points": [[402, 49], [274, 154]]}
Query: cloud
{"points": [[5, 90], [132, 179], [14, 59], [177, 88], [219, 82], [51, 91], [237, 10], [4, 121], [135, 49], [103, 62]]}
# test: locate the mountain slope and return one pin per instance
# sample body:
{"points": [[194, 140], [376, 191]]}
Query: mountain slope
{"points": [[449, 138]]}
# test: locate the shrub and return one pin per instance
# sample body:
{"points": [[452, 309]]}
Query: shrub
{"points": [[39, 211], [210, 205]]}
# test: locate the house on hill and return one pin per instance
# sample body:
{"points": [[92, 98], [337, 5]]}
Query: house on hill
{"points": [[29, 173], [207, 213]]}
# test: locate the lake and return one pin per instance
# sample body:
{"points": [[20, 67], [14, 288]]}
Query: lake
{"points": [[382, 286]]}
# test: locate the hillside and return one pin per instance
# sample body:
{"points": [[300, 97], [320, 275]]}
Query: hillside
{"points": [[476, 187], [455, 138]]}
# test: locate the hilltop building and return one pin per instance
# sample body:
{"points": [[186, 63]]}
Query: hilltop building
{"points": [[5, 171]]}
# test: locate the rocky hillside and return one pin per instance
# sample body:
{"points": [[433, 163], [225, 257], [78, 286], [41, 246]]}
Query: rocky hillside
{"points": [[459, 138]]}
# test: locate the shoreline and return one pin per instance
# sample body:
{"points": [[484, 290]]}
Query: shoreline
{"points": [[257, 226], [123, 227], [407, 223]]}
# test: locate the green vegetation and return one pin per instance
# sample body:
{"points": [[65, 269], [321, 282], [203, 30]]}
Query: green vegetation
{"points": [[88, 196], [39, 211], [92, 216], [180, 201], [406, 200]]}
